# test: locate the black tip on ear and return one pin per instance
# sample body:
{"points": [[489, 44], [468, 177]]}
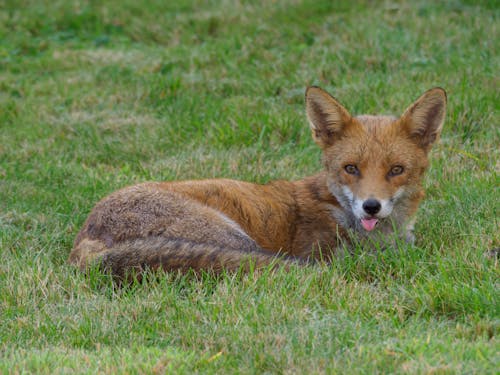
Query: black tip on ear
{"points": [[310, 88]]}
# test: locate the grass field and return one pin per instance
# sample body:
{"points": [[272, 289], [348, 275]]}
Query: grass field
{"points": [[95, 96]]}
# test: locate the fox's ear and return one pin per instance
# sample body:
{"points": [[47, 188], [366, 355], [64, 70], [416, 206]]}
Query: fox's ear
{"points": [[327, 117], [424, 119]]}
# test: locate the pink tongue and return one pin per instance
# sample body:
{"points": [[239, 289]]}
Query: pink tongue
{"points": [[369, 224]]}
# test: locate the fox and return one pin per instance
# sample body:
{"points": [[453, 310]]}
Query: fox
{"points": [[366, 195]]}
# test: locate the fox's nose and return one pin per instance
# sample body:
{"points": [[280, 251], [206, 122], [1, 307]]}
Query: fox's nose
{"points": [[371, 206]]}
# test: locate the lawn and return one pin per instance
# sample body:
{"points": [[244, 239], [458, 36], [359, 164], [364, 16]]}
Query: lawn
{"points": [[95, 96]]}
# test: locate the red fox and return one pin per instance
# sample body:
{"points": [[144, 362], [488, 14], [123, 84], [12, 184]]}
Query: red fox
{"points": [[368, 193]]}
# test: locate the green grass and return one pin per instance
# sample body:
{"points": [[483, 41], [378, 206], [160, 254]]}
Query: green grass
{"points": [[98, 95]]}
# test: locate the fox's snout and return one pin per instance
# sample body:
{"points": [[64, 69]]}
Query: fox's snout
{"points": [[371, 206], [369, 210]]}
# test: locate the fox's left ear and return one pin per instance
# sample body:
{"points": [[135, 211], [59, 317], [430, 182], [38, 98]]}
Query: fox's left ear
{"points": [[424, 119]]}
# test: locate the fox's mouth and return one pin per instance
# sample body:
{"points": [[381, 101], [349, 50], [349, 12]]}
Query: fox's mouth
{"points": [[369, 224]]}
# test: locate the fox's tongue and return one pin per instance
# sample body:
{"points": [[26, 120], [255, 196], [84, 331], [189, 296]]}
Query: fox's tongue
{"points": [[369, 224]]}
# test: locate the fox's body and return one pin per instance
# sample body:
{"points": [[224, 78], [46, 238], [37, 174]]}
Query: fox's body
{"points": [[368, 193]]}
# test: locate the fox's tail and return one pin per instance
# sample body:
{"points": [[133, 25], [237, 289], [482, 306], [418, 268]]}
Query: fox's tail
{"points": [[135, 256]]}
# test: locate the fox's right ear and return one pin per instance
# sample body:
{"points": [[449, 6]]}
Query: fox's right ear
{"points": [[327, 117]]}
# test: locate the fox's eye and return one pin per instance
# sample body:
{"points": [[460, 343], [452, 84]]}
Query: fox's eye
{"points": [[351, 169], [396, 170]]}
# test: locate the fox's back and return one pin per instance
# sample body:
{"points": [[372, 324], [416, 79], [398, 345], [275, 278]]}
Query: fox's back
{"points": [[265, 212]]}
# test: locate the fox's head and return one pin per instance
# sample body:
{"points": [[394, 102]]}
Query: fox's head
{"points": [[375, 164]]}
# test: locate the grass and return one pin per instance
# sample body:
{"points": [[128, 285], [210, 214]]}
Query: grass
{"points": [[98, 95]]}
